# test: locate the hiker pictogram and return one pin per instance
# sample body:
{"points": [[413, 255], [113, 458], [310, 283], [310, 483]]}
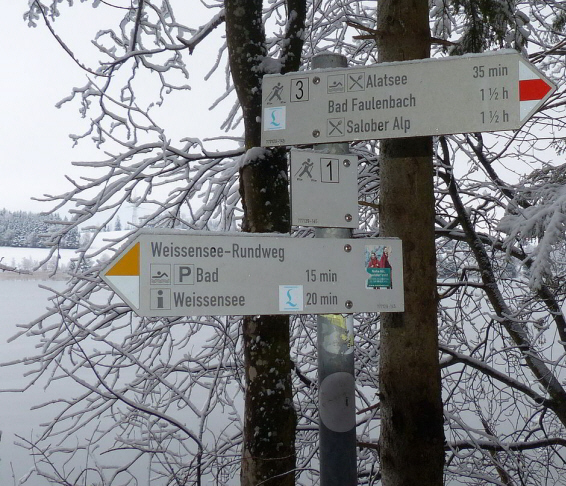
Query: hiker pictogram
{"points": [[275, 94], [305, 170]]}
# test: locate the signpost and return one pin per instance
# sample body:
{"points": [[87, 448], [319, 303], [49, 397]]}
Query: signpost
{"points": [[472, 93], [324, 189], [182, 273], [335, 347]]}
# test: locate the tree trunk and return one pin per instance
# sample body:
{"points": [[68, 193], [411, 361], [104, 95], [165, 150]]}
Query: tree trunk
{"points": [[268, 455], [412, 434], [269, 423]]}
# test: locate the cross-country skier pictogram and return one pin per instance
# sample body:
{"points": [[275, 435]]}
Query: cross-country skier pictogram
{"points": [[275, 93], [306, 169]]}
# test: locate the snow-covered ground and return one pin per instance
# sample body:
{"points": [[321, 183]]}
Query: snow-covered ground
{"points": [[29, 259]]}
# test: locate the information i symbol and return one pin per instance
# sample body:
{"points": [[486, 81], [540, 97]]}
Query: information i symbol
{"points": [[160, 299]]}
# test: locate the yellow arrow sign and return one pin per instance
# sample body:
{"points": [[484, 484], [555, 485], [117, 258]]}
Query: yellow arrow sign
{"points": [[124, 276]]}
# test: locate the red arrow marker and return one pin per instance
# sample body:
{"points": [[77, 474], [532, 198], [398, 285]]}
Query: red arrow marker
{"points": [[533, 89]]}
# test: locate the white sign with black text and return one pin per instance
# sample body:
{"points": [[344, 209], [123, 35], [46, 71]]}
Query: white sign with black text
{"points": [[324, 189], [472, 93], [185, 273]]}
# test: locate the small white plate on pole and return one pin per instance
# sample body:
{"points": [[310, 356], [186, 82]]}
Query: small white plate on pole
{"points": [[324, 189]]}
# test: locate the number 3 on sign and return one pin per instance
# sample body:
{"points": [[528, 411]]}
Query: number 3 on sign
{"points": [[299, 89]]}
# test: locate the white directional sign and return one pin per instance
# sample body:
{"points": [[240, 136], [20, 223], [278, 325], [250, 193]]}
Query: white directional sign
{"points": [[324, 189], [192, 274], [471, 93]]}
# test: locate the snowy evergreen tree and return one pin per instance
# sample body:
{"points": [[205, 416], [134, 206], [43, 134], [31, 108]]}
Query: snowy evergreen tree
{"points": [[25, 229]]}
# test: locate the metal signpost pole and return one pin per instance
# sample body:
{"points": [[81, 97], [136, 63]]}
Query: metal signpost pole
{"points": [[333, 104], [337, 413]]}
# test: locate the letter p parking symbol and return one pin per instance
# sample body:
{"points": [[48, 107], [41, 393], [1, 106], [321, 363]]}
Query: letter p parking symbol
{"points": [[184, 274]]}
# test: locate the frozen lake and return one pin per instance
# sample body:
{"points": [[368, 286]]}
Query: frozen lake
{"points": [[20, 302]]}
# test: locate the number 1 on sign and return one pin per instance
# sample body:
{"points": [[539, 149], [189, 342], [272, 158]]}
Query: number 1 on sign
{"points": [[329, 170]]}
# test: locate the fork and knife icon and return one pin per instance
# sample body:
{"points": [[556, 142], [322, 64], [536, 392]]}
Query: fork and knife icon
{"points": [[335, 127], [356, 82]]}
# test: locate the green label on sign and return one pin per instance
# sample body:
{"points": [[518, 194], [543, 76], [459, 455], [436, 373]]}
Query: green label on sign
{"points": [[379, 277]]}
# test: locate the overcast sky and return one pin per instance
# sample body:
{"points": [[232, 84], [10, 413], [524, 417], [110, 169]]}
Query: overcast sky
{"points": [[34, 144], [36, 151]]}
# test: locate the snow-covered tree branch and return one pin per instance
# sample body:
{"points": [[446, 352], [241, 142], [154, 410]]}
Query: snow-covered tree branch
{"points": [[165, 397]]}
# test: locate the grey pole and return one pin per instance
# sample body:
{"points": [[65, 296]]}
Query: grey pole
{"points": [[335, 336]]}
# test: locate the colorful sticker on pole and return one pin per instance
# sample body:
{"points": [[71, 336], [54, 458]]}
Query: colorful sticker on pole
{"points": [[378, 267]]}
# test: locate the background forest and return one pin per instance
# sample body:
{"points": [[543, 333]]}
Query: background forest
{"points": [[25, 229], [172, 396]]}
